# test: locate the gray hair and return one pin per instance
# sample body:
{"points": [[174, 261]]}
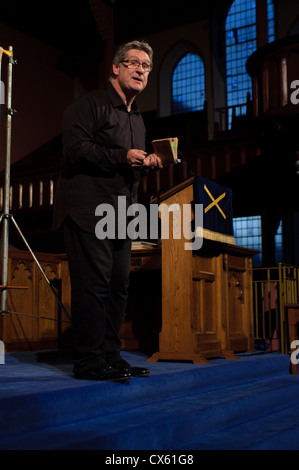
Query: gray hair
{"points": [[122, 51]]}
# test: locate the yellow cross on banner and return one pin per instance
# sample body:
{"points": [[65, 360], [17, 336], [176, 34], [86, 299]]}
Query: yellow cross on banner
{"points": [[215, 202]]}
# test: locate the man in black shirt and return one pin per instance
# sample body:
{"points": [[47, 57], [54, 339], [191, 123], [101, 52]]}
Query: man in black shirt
{"points": [[104, 155]]}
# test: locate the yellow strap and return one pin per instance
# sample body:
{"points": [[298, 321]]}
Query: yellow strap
{"points": [[9, 53]]}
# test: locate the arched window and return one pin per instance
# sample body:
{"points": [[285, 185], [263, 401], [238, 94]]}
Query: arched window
{"points": [[188, 84], [271, 21], [241, 42], [248, 233], [240, 29]]}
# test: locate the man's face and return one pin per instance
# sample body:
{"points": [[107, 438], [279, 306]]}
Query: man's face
{"points": [[129, 79]]}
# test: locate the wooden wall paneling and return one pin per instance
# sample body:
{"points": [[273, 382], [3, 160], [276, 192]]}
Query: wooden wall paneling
{"points": [[18, 327], [35, 325]]}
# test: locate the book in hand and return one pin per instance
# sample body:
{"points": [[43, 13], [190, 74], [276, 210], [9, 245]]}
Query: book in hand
{"points": [[166, 150]]}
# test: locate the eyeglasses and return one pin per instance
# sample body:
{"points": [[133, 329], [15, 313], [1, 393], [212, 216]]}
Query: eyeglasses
{"points": [[134, 64]]}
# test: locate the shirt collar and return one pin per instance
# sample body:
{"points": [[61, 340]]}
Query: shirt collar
{"points": [[117, 101]]}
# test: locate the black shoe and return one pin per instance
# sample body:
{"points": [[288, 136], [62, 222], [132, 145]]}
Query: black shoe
{"points": [[124, 367], [105, 374]]}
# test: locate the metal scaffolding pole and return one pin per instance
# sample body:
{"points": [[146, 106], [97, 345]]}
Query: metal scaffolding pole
{"points": [[6, 195], [6, 216]]}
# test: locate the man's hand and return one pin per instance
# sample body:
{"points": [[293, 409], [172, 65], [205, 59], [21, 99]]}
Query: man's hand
{"points": [[152, 161], [136, 158]]}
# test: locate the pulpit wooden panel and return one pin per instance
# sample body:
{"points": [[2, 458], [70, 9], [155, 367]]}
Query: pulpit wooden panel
{"points": [[208, 299], [238, 268]]}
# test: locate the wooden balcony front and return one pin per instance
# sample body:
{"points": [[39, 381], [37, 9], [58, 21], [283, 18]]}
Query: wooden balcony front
{"points": [[274, 69]]}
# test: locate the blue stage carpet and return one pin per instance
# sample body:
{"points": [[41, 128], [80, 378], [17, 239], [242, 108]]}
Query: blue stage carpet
{"points": [[250, 403]]}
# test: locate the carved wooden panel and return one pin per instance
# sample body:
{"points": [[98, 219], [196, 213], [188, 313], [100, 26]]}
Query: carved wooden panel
{"points": [[31, 319]]}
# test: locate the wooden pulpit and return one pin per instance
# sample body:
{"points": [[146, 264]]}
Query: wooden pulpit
{"points": [[207, 308]]}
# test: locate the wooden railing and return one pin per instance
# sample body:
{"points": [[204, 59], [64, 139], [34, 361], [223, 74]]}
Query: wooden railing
{"points": [[234, 117], [273, 289], [34, 194]]}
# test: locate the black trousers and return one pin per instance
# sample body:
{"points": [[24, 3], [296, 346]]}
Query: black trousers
{"points": [[99, 275]]}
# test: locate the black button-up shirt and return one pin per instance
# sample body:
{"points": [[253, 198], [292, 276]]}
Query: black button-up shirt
{"points": [[97, 133]]}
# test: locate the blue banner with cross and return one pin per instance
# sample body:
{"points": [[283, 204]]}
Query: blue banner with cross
{"points": [[217, 210]]}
